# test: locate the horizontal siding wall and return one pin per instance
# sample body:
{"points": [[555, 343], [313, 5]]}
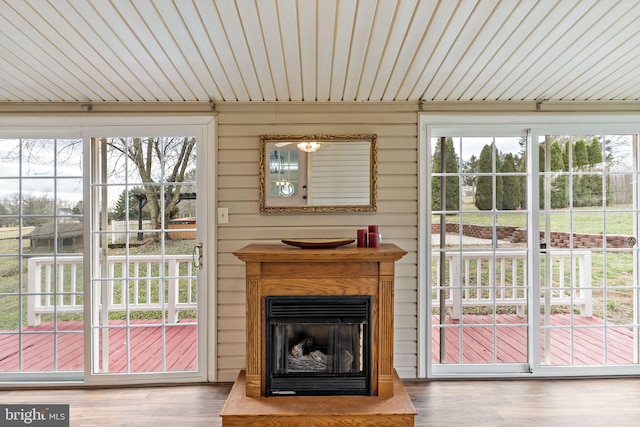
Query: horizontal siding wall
{"points": [[340, 174], [239, 130]]}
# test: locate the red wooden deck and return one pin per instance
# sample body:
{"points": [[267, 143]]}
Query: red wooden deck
{"points": [[586, 348], [181, 345], [145, 352]]}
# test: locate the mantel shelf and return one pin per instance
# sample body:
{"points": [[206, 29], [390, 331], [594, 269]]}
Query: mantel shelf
{"points": [[285, 253]]}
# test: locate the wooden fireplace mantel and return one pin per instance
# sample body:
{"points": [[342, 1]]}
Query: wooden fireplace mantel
{"points": [[280, 270]]}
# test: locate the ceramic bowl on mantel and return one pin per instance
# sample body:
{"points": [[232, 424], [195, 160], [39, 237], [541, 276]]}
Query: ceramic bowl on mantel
{"points": [[318, 243]]}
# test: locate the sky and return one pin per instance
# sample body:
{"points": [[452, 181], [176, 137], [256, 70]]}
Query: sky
{"points": [[39, 166]]}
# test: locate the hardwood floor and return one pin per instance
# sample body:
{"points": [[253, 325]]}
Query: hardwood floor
{"points": [[535, 403], [539, 403]]}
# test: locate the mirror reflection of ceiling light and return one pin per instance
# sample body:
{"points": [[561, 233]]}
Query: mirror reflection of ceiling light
{"points": [[286, 189], [308, 147]]}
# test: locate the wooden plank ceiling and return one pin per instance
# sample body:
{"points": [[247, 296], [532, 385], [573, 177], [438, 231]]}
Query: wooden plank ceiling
{"points": [[319, 50]]}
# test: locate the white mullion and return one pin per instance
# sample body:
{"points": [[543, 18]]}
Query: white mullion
{"points": [[603, 209], [59, 289], [125, 291], [572, 328], [636, 258], [163, 229]]}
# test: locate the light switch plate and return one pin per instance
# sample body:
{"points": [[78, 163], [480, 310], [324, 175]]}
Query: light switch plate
{"points": [[223, 215]]}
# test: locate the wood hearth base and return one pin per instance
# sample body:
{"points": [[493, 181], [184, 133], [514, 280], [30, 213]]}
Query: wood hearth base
{"points": [[315, 411]]}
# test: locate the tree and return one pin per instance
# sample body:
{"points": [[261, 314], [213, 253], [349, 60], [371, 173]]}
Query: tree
{"points": [[522, 167], [119, 212], [594, 182], [4, 212], [580, 183], [470, 167], [161, 164], [452, 182], [78, 208], [580, 153], [484, 182], [560, 184], [510, 184], [542, 169], [37, 210]]}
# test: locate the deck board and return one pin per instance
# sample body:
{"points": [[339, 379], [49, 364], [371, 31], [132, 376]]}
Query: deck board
{"points": [[511, 341], [145, 355], [181, 344]]}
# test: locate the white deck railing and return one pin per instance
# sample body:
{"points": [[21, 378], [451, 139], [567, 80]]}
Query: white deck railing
{"points": [[486, 278], [132, 283]]}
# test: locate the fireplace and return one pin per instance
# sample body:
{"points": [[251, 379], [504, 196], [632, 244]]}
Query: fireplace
{"points": [[319, 339], [318, 346]]}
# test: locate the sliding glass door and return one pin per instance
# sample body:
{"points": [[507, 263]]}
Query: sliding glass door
{"points": [[533, 250], [102, 256]]}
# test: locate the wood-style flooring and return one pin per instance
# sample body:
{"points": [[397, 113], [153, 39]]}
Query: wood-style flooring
{"points": [[495, 403]]}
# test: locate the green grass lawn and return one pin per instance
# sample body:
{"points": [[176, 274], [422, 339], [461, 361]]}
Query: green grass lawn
{"points": [[619, 219]]}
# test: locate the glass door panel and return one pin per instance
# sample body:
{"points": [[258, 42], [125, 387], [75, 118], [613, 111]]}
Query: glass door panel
{"points": [[144, 282], [41, 261], [479, 252], [588, 258]]}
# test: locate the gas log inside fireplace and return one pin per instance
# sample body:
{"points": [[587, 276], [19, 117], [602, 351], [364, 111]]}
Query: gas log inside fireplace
{"points": [[318, 345]]}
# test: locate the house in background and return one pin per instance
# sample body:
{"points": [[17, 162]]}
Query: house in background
{"points": [[512, 76], [69, 236]]}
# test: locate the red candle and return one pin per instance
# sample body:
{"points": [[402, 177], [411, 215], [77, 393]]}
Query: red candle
{"points": [[374, 240], [362, 238]]}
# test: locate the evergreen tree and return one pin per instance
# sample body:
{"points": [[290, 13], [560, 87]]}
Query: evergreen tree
{"points": [[522, 167], [452, 182], [78, 208], [559, 196], [594, 197], [470, 167], [580, 154], [564, 145], [119, 212], [580, 183], [498, 181], [484, 183], [510, 184]]}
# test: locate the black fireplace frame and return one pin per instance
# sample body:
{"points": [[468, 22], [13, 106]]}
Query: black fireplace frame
{"points": [[320, 310]]}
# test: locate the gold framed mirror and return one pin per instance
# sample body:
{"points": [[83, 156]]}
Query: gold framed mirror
{"points": [[318, 173]]}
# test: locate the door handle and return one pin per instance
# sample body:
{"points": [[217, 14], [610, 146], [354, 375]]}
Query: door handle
{"points": [[197, 256]]}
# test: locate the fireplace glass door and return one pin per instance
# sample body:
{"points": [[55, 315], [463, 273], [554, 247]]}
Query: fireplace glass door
{"points": [[318, 345]]}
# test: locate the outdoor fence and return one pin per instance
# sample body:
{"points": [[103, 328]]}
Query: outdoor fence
{"points": [[119, 230], [488, 279], [473, 279], [134, 283]]}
